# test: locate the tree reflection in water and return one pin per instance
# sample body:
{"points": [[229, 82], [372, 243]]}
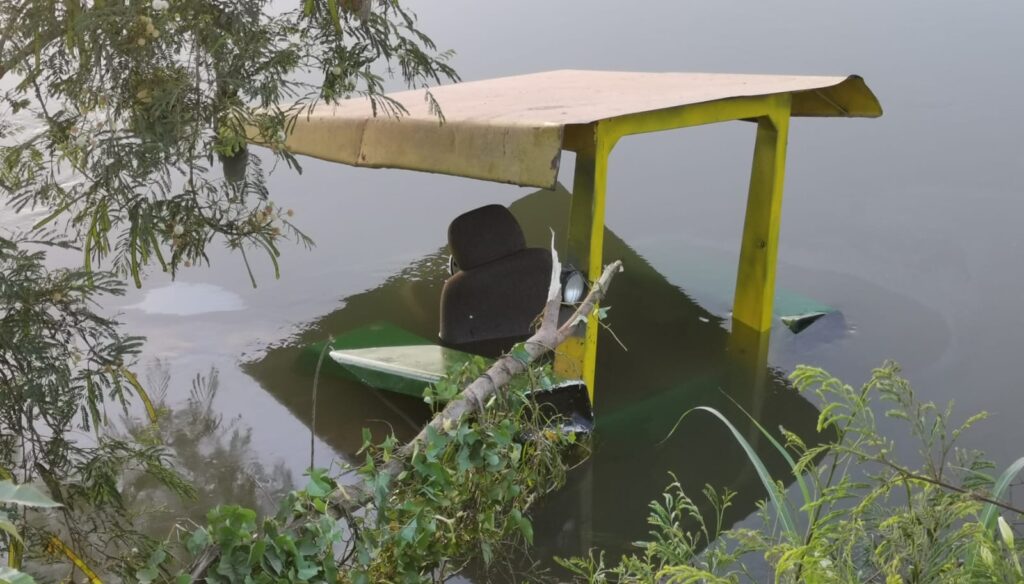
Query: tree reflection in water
{"points": [[215, 454]]}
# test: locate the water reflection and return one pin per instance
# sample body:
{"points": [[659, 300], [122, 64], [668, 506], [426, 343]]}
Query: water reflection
{"points": [[187, 299], [214, 454], [677, 355]]}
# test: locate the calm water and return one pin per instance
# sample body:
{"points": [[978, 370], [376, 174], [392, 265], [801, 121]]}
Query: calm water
{"points": [[908, 224]]}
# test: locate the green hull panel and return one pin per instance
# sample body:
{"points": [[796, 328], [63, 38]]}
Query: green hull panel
{"points": [[407, 369], [378, 334]]}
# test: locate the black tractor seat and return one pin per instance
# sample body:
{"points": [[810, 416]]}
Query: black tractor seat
{"points": [[501, 286]]}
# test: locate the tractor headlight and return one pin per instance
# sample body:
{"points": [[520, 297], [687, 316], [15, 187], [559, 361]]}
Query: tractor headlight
{"points": [[574, 285]]}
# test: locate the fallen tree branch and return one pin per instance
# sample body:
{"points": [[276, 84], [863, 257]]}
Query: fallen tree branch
{"points": [[477, 393], [348, 500]]}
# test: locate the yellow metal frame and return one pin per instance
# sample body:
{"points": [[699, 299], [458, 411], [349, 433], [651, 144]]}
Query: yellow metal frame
{"points": [[755, 279]]}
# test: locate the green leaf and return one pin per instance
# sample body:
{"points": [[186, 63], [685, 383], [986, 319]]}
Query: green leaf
{"points": [[256, 552], [12, 576], [198, 541], [307, 547], [805, 491], [525, 527], [519, 353], [332, 6], [988, 516], [319, 485], [157, 557], [486, 552], [408, 533], [273, 557], [134, 381], [462, 460], [492, 460], [147, 574], [25, 495], [10, 528]]}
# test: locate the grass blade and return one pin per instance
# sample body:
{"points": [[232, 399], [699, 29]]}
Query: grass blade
{"points": [[988, 515], [777, 496], [804, 489], [990, 512]]}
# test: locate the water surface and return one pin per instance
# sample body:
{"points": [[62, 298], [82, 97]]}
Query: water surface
{"points": [[908, 224]]}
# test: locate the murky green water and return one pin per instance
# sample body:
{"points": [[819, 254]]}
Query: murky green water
{"points": [[908, 224]]}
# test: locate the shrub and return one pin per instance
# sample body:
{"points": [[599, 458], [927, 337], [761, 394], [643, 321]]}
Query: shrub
{"points": [[863, 515]]}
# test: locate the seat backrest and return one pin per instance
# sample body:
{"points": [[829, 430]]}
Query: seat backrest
{"points": [[483, 235], [502, 285]]}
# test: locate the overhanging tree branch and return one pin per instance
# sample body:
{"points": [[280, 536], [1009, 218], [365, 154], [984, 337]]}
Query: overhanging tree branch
{"points": [[8, 63]]}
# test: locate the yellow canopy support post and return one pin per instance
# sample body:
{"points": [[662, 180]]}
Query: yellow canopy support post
{"points": [[755, 279], [578, 355], [748, 356], [755, 284]]}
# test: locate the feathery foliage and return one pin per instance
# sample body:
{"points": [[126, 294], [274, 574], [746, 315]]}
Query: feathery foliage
{"points": [[62, 366], [114, 115], [118, 110], [864, 515]]}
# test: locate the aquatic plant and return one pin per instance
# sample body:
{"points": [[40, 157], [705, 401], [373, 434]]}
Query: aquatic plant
{"points": [[861, 514], [464, 495]]}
